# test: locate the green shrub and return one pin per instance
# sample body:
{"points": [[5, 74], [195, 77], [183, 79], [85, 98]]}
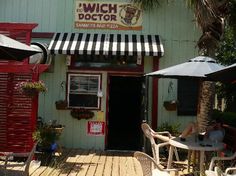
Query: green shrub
{"points": [[172, 128], [228, 118]]}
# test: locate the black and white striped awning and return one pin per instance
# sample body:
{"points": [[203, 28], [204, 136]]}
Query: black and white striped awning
{"points": [[106, 44]]}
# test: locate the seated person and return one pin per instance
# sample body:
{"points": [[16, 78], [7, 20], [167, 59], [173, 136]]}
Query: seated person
{"points": [[215, 132]]}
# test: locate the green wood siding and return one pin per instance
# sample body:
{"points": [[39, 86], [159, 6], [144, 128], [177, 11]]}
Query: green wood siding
{"points": [[173, 21]]}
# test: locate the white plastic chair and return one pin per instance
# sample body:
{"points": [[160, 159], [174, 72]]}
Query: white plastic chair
{"points": [[163, 136], [23, 167], [216, 171], [150, 166]]}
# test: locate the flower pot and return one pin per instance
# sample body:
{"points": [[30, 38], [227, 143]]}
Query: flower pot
{"points": [[170, 105], [30, 92], [82, 114], [61, 104]]}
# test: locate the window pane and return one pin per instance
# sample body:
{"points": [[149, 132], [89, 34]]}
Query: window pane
{"points": [[83, 90]]}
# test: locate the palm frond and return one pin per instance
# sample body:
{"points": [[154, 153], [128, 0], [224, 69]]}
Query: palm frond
{"points": [[210, 16], [147, 4]]}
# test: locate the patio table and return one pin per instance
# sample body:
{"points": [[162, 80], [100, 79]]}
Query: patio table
{"points": [[195, 145]]}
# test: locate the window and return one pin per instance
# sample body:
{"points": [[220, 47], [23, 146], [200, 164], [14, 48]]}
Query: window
{"points": [[187, 97], [83, 91]]}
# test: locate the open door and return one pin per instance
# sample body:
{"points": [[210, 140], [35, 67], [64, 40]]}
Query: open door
{"points": [[124, 116]]}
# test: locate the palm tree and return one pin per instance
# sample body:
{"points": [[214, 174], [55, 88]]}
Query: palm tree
{"points": [[210, 17]]}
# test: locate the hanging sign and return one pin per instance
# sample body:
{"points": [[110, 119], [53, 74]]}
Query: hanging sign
{"points": [[107, 15], [96, 128]]}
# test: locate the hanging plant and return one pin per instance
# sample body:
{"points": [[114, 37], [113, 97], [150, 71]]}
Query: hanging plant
{"points": [[82, 113], [31, 88], [61, 104], [170, 105]]}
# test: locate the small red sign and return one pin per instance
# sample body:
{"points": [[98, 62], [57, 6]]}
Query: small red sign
{"points": [[96, 128]]}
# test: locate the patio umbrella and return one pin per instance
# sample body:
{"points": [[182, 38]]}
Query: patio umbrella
{"points": [[227, 74], [11, 49], [197, 67]]}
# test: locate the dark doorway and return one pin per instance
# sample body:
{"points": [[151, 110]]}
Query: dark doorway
{"points": [[124, 117]]}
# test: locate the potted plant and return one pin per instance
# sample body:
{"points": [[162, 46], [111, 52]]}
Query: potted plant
{"points": [[170, 105], [31, 88], [47, 135], [61, 104], [82, 113]]}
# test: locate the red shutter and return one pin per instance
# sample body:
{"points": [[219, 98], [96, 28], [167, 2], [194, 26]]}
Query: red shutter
{"points": [[16, 115], [17, 112]]}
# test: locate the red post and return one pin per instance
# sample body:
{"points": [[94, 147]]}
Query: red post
{"points": [[155, 94]]}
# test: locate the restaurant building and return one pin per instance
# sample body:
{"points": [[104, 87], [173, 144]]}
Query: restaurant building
{"points": [[98, 53]]}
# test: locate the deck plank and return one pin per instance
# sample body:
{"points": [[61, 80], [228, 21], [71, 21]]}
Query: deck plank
{"points": [[101, 164], [130, 166], [79, 162], [60, 163], [108, 164], [64, 165], [55, 164], [115, 165], [137, 167], [76, 165], [86, 163], [69, 163], [94, 163], [123, 165]]}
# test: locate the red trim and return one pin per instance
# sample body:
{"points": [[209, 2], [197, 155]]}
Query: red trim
{"points": [[18, 26], [107, 109], [14, 30], [22, 68], [155, 94], [42, 35]]}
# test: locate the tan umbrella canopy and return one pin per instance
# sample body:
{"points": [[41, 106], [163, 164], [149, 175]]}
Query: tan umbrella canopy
{"points": [[11, 49], [227, 74]]}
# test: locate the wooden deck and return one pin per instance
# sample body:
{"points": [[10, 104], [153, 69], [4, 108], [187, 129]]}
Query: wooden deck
{"points": [[90, 163], [76, 162]]}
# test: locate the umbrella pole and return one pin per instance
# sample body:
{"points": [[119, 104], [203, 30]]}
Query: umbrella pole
{"points": [[199, 103]]}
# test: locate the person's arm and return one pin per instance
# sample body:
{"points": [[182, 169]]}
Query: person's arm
{"points": [[190, 129]]}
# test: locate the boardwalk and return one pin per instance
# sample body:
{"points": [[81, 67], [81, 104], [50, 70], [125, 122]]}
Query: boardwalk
{"points": [[89, 163]]}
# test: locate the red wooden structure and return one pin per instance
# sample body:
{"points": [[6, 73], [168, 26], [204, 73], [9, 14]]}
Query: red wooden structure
{"points": [[17, 112]]}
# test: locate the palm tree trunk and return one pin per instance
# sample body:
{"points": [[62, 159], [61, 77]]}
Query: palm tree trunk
{"points": [[205, 104], [206, 97]]}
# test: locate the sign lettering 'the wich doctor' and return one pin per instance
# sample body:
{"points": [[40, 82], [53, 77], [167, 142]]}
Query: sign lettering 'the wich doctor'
{"points": [[106, 15]]}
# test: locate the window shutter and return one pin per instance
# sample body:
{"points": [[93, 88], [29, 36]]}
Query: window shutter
{"points": [[16, 123]]}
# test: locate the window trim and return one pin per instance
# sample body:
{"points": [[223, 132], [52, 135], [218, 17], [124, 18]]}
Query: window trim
{"points": [[139, 68], [85, 75]]}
